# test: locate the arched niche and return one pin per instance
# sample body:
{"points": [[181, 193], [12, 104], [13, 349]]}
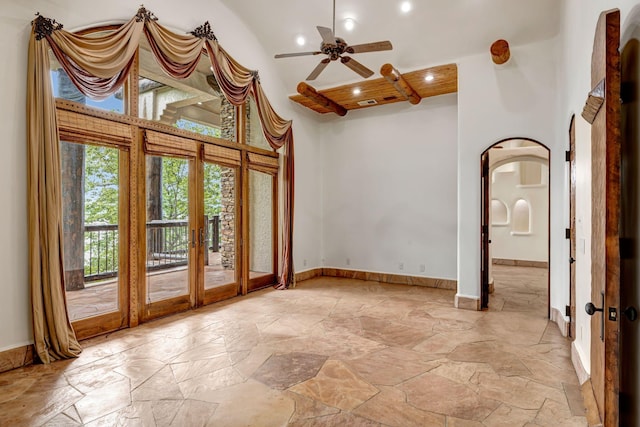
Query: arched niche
{"points": [[499, 212], [521, 217]]}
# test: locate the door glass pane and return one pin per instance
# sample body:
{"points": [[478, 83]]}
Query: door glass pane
{"points": [[220, 223], [167, 228], [90, 196], [255, 135], [260, 224], [195, 104]]}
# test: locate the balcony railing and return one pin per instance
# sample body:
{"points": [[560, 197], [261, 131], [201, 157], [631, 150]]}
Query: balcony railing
{"points": [[167, 246]]}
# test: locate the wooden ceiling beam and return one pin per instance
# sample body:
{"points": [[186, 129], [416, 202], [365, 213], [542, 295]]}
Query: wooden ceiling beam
{"points": [[394, 77], [500, 52], [309, 92]]}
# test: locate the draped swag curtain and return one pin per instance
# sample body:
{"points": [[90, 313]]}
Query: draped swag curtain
{"points": [[98, 66]]}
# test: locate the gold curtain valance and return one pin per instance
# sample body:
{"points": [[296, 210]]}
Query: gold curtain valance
{"points": [[98, 66]]}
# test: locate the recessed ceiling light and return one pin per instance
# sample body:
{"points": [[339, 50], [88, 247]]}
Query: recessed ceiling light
{"points": [[356, 91], [429, 77], [301, 40], [349, 24], [405, 7]]}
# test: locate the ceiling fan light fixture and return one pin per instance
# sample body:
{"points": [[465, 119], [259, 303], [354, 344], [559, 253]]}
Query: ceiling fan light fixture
{"points": [[406, 6], [301, 41], [349, 24]]}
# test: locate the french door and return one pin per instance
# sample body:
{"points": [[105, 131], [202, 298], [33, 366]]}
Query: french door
{"points": [[192, 224], [218, 275], [170, 235], [95, 234]]}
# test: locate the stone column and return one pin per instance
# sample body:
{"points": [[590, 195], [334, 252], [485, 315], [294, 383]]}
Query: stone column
{"points": [[227, 188]]}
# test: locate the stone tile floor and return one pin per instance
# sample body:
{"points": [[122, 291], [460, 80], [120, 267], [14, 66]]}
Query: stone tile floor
{"points": [[331, 352]]}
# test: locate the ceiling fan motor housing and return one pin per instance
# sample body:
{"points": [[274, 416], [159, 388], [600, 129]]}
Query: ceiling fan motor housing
{"points": [[333, 51]]}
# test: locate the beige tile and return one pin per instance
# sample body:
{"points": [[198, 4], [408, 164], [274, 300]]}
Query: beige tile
{"points": [[194, 413], [204, 386], [336, 385], [391, 366], [136, 414], [187, 370], [390, 407], [307, 408], [265, 407], [139, 370], [338, 420], [282, 371], [397, 355], [161, 386], [508, 416], [433, 393], [104, 400], [164, 411], [42, 406]]}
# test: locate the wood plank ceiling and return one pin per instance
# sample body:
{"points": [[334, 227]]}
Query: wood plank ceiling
{"points": [[379, 91]]}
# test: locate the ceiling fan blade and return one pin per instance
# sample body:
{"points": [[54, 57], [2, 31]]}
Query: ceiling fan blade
{"points": [[327, 35], [319, 68], [356, 66], [289, 55], [370, 47]]}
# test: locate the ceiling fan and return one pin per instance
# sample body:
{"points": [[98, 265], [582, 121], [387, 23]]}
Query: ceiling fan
{"points": [[335, 48]]}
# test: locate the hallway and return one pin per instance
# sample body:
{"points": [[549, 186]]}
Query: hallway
{"points": [[331, 352]]}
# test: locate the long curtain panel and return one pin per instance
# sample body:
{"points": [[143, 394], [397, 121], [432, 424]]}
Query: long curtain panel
{"points": [[98, 66]]}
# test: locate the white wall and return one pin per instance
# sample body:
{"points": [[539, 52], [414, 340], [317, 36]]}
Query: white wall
{"points": [[506, 243], [517, 99], [389, 192], [15, 29]]}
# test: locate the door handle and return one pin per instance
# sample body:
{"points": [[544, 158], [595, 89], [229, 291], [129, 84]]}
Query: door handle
{"points": [[193, 238], [571, 260], [631, 313], [591, 309]]}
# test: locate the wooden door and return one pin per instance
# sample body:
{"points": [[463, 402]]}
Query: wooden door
{"points": [[218, 275], [572, 229], [171, 238], [630, 230], [605, 216], [484, 230]]}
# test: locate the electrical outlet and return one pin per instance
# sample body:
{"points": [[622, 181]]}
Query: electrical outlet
{"points": [[348, 261], [401, 266], [304, 262], [422, 268]]}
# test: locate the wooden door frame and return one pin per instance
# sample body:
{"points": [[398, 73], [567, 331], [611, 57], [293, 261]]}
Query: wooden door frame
{"points": [[485, 204], [210, 296], [572, 228], [485, 182], [183, 302]]}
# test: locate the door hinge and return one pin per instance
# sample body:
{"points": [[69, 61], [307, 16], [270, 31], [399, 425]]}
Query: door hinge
{"points": [[567, 156], [485, 229], [567, 233], [567, 310]]}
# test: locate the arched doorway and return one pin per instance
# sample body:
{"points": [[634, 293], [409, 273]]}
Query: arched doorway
{"points": [[515, 209]]}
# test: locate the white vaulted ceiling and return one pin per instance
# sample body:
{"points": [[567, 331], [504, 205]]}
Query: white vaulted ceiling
{"points": [[434, 32]]}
